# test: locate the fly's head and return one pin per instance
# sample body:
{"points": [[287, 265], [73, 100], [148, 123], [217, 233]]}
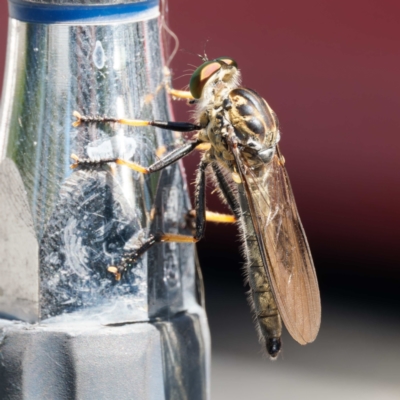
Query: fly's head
{"points": [[213, 80]]}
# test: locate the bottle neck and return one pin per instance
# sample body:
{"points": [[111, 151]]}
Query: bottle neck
{"points": [[79, 11]]}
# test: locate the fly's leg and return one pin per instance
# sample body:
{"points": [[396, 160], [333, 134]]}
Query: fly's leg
{"points": [[169, 125], [204, 146], [227, 191], [169, 159], [130, 257], [175, 94], [180, 94], [220, 218], [228, 195], [211, 216]]}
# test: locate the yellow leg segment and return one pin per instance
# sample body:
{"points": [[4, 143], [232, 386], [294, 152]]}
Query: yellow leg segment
{"points": [[220, 218], [180, 94], [203, 146], [176, 238], [132, 165], [215, 217], [132, 122]]}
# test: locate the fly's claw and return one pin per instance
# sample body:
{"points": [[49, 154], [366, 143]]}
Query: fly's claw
{"points": [[91, 119], [78, 121], [76, 161], [126, 263], [115, 271]]}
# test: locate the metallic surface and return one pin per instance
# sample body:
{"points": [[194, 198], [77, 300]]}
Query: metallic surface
{"points": [[85, 361], [62, 228], [51, 71]]}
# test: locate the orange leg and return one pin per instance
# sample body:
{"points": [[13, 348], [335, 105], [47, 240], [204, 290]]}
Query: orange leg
{"points": [[214, 217]]}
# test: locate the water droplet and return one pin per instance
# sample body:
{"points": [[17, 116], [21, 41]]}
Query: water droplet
{"points": [[99, 57]]}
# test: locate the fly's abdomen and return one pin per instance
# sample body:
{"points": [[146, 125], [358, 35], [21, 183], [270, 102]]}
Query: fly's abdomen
{"points": [[265, 308], [261, 297]]}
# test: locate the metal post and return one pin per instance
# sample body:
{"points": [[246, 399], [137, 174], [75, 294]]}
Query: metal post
{"points": [[68, 329]]}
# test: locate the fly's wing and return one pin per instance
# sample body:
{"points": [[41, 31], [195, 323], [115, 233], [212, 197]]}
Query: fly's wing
{"points": [[284, 248]]}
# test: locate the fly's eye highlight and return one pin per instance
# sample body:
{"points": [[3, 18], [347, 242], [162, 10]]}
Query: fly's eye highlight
{"points": [[204, 73], [227, 60], [201, 76]]}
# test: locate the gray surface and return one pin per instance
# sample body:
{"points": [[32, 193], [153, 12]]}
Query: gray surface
{"points": [[71, 359], [355, 356], [16, 232], [74, 362]]}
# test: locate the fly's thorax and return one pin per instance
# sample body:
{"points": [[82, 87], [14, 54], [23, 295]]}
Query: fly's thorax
{"points": [[213, 133], [252, 118], [253, 121], [255, 125]]}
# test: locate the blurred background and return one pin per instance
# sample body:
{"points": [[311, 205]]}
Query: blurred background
{"points": [[330, 70]]}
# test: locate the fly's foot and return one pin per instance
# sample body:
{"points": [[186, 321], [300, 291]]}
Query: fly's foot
{"points": [[116, 271], [130, 258], [126, 264], [87, 162], [91, 119]]}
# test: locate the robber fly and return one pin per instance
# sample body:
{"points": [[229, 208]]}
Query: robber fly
{"points": [[242, 134]]}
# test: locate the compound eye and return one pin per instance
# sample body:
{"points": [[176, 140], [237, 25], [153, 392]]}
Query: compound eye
{"points": [[201, 76], [229, 61]]}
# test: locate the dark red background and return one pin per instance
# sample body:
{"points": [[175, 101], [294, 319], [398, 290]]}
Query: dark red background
{"points": [[330, 70]]}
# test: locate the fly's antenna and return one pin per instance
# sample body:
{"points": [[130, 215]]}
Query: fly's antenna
{"points": [[191, 52], [205, 58], [168, 31]]}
